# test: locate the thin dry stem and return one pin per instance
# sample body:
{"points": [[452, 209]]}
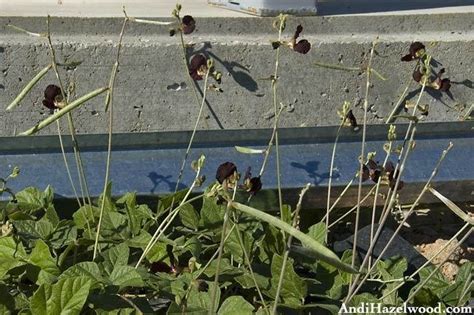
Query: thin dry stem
{"points": [[109, 144], [288, 246]]}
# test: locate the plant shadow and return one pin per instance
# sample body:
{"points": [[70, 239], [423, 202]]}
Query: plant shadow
{"points": [[157, 179], [237, 71], [311, 167]]}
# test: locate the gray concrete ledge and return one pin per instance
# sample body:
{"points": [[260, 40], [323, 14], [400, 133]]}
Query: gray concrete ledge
{"points": [[151, 64]]}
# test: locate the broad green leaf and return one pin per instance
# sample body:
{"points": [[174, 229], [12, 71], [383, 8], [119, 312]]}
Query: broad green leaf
{"points": [[319, 250], [189, 216], [437, 283], [212, 214], [67, 296], [192, 245], [157, 252], [126, 276], [452, 294], [88, 269], [293, 287], [175, 309], [235, 305], [12, 255], [318, 232], [361, 299], [232, 245], [225, 268], [115, 256], [64, 234], [41, 257], [273, 242], [247, 282], [165, 202], [51, 215], [114, 226], [30, 200], [202, 299], [85, 214], [392, 268]]}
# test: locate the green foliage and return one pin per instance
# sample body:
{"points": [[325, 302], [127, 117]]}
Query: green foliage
{"points": [[46, 263]]}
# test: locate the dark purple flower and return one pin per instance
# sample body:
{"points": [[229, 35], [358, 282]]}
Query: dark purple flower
{"points": [[251, 184], [352, 120], [445, 85], [417, 75], [389, 169], [198, 67], [225, 171], [303, 46], [365, 173], [417, 50], [255, 184], [52, 95], [188, 24], [441, 84], [374, 170], [160, 266]]}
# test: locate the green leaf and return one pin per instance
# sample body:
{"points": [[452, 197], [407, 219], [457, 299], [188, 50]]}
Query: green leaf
{"points": [[247, 282], [88, 269], [212, 214], [232, 245], [67, 296], [85, 214], [273, 242], [64, 234], [362, 298], [293, 286], [235, 305], [114, 226], [12, 255], [41, 257], [318, 232], [165, 201], [175, 309], [225, 268], [452, 294], [319, 250], [392, 268], [115, 256], [437, 283], [31, 199], [199, 299], [189, 216], [126, 276]]}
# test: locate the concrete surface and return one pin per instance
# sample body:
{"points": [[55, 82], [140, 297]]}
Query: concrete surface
{"points": [[151, 65], [154, 8]]}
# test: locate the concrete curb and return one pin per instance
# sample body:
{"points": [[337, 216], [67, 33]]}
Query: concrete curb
{"points": [[151, 66]]}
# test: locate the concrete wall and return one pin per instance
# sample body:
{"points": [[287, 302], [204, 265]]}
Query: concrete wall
{"points": [[151, 63]]}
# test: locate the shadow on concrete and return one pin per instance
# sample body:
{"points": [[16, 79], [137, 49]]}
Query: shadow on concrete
{"points": [[242, 78], [157, 179], [190, 52], [335, 7], [311, 167]]}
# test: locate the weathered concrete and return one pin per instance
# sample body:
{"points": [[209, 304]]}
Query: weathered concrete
{"points": [[151, 63]]}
